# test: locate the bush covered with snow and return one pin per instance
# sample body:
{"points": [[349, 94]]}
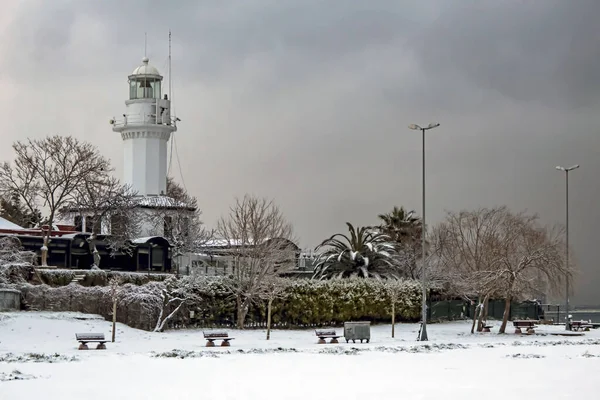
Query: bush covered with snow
{"points": [[209, 303], [15, 264], [96, 277]]}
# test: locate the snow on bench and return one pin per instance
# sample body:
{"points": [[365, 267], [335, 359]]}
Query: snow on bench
{"points": [[85, 338]]}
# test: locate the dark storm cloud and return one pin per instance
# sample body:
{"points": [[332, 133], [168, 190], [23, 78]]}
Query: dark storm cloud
{"points": [[539, 50], [308, 101]]}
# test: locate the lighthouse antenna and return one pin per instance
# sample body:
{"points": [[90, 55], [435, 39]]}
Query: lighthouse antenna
{"points": [[170, 98], [145, 43]]}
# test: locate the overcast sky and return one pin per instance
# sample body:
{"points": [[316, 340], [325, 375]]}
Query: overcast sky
{"points": [[308, 101]]}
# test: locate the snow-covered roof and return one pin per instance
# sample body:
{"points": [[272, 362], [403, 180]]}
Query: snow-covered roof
{"points": [[6, 224], [160, 202], [143, 239]]}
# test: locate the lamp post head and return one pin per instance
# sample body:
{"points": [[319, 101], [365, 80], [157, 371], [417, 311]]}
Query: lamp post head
{"points": [[416, 127], [558, 167]]}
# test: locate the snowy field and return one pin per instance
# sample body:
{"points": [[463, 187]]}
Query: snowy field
{"points": [[39, 360]]}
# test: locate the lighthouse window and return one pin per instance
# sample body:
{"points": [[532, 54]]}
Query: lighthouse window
{"points": [[144, 88], [132, 90]]}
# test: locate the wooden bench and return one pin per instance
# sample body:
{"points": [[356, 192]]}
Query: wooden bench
{"points": [[212, 336], [486, 328], [323, 335], [85, 338], [581, 326], [526, 323]]}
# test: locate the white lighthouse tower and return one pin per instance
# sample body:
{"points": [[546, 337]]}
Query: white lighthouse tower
{"points": [[145, 129]]}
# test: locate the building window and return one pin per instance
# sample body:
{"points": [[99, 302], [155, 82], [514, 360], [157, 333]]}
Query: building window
{"points": [[78, 222], [92, 225]]}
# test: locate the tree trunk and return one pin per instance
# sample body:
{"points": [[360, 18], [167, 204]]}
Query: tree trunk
{"points": [[269, 308], [486, 306], [114, 319], [475, 315], [242, 311], [482, 313], [506, 314], [393, 317]]}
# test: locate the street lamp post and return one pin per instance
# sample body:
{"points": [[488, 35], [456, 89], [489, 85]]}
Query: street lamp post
{"points": [[566, 171], [423, 334]]}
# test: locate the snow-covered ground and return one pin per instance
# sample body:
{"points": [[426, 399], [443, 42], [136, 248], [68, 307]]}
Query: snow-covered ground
{"points": [[176, 364]]}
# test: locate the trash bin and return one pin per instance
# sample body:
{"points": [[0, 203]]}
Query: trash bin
{"points": [[357, 330]]}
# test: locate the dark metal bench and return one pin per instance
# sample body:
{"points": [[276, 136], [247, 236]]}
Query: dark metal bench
{"points": [[581, 326], [323, 335], [212, 336], [526, 323], [85, 338], [486, 328]]}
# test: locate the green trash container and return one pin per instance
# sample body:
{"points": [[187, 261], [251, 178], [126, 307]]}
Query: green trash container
{"points": [[357, 330]]}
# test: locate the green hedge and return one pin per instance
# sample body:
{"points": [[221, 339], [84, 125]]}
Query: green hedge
{"points": [[308, 303]]}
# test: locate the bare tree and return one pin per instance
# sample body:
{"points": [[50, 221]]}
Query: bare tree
{"points": [[493, 252], [273, 288], [530, 256], [48, 171], [102, 199], [463, 245], [260, 242]]}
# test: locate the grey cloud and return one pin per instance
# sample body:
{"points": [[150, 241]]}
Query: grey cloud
{"points": [[540, 51], [309, 101]]}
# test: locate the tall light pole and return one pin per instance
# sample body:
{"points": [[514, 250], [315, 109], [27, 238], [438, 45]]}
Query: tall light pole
{"points": [[423, 335], [566, 171]]}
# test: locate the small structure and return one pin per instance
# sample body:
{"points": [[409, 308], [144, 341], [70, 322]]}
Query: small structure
{"points": [[529, 324], [85, 338], [581, 325], [212, 336], [10, 300], [357, 330], [323, 335]]}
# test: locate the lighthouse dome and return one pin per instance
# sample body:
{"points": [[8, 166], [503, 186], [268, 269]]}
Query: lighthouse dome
{"points": [[146, 69]]}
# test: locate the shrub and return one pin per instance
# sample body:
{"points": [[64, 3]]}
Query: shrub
{"points": [[309, 303]]}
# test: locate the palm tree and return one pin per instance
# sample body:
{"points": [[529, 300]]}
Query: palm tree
{"points": [[364, 253], [400, 225], [404, 228]]}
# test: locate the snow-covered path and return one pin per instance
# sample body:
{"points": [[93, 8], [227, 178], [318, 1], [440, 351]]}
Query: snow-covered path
{"points": [[455, 365]]}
